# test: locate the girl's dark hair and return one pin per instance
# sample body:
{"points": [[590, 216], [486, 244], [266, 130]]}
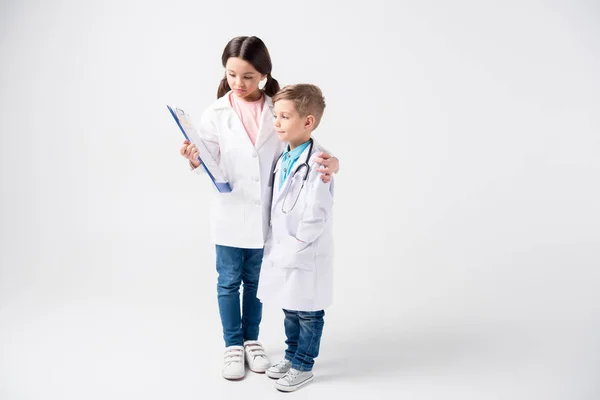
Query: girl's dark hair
{"points": [[254, 51]]}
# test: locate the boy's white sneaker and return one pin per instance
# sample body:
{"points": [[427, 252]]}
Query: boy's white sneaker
{"points": [[279, 369], [293, 380], [256, 357], [233, 363]]}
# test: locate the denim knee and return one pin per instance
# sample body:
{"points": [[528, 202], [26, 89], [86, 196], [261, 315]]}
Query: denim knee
{"points": [[228, 283]]}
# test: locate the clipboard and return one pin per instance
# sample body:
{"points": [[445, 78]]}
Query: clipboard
{"points": [[207, 161]]}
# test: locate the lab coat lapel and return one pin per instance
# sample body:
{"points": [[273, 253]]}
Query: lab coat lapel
{"points": [[235, 123], [277, 191], [280, 192], [266, 130]]}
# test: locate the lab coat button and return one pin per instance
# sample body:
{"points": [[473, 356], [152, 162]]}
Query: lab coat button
{"points": [[254, 155], [256, 179]]}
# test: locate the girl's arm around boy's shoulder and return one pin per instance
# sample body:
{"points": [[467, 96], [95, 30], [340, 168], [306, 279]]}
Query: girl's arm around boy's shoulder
{"points": [[328, 163], [319, 205]]}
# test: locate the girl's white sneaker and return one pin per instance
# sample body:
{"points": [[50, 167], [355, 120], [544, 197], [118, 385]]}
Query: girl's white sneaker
{"points": [[233, 363], [256, 357]]}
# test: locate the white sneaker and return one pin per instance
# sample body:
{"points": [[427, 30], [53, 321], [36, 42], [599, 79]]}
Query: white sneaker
{"points": [[256, 357], [279, 369], [293, 380], [233, 365]]}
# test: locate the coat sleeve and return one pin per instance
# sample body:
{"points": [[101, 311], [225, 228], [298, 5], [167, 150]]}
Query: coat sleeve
{"points": [[319, 204], [208, 133]]}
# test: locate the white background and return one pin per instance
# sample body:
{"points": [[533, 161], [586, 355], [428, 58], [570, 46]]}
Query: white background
{"points": [[467, 206]]}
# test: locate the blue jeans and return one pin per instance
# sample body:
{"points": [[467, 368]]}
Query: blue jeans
{"points": [[303, 330], [235, 266]]}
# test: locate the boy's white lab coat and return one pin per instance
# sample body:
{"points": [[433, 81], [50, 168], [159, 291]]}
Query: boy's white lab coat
{"points": [[240, 218], [297, 268]]}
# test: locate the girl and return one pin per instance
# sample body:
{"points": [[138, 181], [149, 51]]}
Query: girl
{"points": [[239, 129]]}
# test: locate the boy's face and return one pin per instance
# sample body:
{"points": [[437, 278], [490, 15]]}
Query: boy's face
{"points": [[290, 126], [243, 78]]}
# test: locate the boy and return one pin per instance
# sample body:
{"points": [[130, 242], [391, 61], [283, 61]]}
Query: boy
{"points": [[296, 273]]}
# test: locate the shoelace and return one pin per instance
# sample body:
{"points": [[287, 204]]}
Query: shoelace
{"points": [[291, 375], [280, 363], [234, 355]]}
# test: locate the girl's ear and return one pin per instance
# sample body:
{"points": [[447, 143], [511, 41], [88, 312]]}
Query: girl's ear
{"points": [[309, 122]]}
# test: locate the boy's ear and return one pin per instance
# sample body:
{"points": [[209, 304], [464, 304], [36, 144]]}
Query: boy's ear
{"points": [[309, 122]]}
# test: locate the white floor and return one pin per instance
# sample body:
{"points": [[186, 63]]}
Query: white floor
{"points": [[158, 337]]}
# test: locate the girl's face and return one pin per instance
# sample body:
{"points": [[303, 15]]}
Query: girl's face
{"points": [[243, 79]]}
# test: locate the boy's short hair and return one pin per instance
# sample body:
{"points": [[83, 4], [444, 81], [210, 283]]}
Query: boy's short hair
{"points": [[308, 100]]}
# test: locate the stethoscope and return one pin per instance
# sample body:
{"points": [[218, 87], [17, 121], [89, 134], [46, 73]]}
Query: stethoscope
{"points": [[288, 184]]}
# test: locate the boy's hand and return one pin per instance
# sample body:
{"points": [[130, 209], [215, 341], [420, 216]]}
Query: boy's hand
{"points": [[190, 152], [330, 165]]}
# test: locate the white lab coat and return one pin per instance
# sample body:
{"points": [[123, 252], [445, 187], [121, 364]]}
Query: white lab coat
{"points": [[297, 268], [240, 218]]}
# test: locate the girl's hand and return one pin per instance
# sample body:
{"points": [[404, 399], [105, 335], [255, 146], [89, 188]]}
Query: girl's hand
{"points": [[190, 152], [330, 165]]}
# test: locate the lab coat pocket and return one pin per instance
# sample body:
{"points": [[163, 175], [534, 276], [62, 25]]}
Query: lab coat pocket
{"points": [[227, 211], [300, 255]]}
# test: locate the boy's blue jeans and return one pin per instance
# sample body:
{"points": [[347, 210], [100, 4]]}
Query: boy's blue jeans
{"points": [[303, 330], [236, 265]]}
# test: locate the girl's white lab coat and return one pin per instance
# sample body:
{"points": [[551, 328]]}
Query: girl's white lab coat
{"points": [[240, 218], [297, 268]]}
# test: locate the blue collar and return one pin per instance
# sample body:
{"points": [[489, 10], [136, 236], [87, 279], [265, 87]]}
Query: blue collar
{"points": [[294, 154], [288, 159]]}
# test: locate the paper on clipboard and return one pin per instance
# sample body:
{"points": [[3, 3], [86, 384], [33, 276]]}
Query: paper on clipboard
{"points": [[208, 162]]}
